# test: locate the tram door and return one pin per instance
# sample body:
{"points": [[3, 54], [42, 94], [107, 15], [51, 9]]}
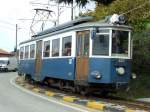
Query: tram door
{"points": [[38, 60], [82, 56]]}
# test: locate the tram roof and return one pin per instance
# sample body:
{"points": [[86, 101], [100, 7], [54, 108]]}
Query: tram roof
{"points": [[66, 25], [85, 22]]}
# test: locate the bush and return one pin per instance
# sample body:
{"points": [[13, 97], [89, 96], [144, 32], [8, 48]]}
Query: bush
{"points": [[141, 52]]}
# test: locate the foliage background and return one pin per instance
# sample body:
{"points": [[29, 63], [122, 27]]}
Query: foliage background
{"points": [[138, 12]]}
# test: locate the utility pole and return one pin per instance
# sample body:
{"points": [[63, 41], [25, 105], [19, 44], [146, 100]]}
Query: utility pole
{"points": [[72, 11], [58, 14], [16, 38]]}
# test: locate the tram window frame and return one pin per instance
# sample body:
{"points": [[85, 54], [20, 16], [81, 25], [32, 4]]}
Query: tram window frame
{"points": [[67, 46], [32, 51], [55, 47], [105, 53], [46, 49], [26, 52], [121, 51], [21, 55]]}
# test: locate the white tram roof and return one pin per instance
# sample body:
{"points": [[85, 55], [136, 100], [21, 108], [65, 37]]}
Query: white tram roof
{"points": [[79, 24]]}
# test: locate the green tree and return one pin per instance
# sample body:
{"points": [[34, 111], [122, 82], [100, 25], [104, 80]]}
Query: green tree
{"points": [[136, 11], [141, 52], [84, 2]]}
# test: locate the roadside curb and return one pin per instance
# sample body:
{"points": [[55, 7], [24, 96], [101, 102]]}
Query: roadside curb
{"points": [[98, 105], [90, 104]]}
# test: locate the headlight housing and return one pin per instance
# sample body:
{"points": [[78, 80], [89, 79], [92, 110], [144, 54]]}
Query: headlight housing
{"points": [[120, 70], [96, 75]]}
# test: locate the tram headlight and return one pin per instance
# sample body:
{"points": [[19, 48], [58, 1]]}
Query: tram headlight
{"points": [[133, 76], [96, 75], [120, 70]]}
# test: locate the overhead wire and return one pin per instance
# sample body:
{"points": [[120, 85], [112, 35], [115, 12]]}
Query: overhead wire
{"points": [[7, 25], [6, 22], [138, 7]]}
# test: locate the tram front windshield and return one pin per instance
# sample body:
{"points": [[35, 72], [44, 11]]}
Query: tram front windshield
{"points": [[120, 43]]}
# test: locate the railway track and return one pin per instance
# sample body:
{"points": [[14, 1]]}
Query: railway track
{"points": [[136, 105], [128, 103]]}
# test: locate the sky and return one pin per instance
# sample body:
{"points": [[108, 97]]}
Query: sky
{"points": [[14, 12]]}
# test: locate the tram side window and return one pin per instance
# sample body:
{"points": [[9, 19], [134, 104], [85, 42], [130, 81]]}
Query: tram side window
{"points": [[32, 50], [46, 50], [66, 46], [101, 45], [55, 47], [21, 52], [26, 52]]}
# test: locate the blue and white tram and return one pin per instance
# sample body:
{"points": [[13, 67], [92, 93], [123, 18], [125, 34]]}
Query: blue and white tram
{"points": [[79, 54]]}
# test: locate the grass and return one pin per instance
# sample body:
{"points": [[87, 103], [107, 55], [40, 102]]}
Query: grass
{"points": [[139, 88]]}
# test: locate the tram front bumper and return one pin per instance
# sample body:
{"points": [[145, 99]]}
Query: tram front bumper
{"points": [[121, 85]]}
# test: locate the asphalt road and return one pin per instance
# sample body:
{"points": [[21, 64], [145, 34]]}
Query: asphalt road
{"points": [[13, 99]]}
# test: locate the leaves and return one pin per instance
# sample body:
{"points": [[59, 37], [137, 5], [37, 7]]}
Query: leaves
{"points": [[137, 11], [84, 2], [141, 51]]}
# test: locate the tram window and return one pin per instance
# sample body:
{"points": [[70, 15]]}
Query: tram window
{"points": [[66, 46], [86, 44], [120, 43], [83, 43], [21, 52], [46, 50], [101, 45], [26, 52], [79, 45], [32, 50], [55, 47]]}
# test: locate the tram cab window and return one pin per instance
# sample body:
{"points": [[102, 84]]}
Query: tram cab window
{"points": [[46, 50], [101, 45], [66, 46], [32, 50], [55, 47], [26, 52], [21, 52], [120, 43]]}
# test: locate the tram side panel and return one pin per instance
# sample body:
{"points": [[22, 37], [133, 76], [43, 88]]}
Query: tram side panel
{"points": [[101, 67], [60, 68], [27, 67]]}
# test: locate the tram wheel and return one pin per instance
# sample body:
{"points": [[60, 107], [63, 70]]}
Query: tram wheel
{"points": [[61, 85], [104, 93], [27, 78], [83, 90]]}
